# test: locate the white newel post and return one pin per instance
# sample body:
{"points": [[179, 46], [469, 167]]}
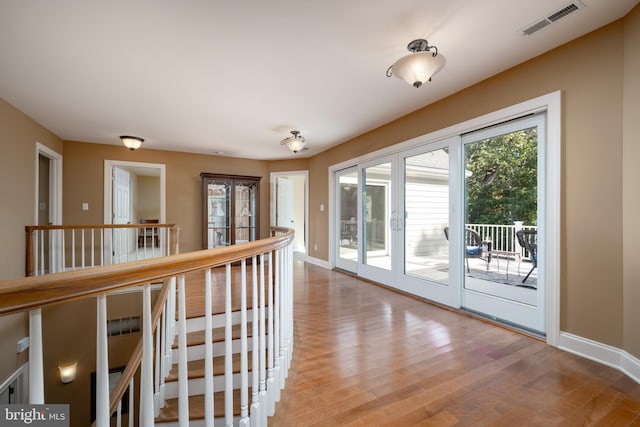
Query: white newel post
{"points": [[102, 364], [36, 370], [146, 370], [208, 352]]}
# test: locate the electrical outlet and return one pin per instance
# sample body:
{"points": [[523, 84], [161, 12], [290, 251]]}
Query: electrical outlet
{"points": [[315, 248], [85, 206]]}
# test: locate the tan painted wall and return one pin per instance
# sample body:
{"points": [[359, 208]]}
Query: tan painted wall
{"points": [[148, 197], [591, 263], [631, 179], [84, 182], [18, 137], [69, 332]]}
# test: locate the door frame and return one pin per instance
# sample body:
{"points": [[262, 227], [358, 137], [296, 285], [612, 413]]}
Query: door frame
{"points": [[55, 183], [551, 104], [273, 200], [108, 187]]}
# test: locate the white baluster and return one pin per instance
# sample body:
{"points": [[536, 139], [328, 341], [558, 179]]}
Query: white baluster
{"points": [[131, 400], [146, 375], [255, 361], [244, 363], [73, 249], [164, 369], [270, 346], [42, 257], [183, 378], [36, 370], [82, 247], [93, 247], [63, 259], [263, 348], [228, 350], [102, 364], [157, 370], [276, 326], [119, 414], [102, 247], [209, 413]]}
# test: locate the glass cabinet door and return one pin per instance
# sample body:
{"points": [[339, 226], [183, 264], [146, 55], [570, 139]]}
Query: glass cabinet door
{"points": [[231, 209], [245, 211], [218, 213]]}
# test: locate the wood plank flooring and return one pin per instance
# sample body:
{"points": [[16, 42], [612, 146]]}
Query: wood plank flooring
{"points": [[367, 356]]}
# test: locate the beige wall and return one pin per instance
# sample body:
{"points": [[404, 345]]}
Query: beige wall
{"points": [[18, 137], [591, 283], [148, 197], [84, 182], [631, 179], [69, 332]]}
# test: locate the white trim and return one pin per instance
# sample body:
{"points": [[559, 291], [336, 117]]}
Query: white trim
{"points": [[551, 103], [55, 183], [316, 261], [21, 374], [272, 202], [601, 353], [108, 166]]}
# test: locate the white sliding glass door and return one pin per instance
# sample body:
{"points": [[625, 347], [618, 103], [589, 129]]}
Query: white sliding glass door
{"points": [[503, 219], [464, 221]]}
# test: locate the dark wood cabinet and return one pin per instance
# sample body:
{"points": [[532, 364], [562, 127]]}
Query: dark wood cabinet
{"points": [[231, 209]]}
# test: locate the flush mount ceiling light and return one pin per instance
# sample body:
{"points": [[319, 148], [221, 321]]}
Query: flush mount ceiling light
{"points": [[419, 66], [295, 142], [132, 142]]}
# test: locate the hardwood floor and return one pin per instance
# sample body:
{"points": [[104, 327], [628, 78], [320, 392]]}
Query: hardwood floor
{"points": [[364, 355]]}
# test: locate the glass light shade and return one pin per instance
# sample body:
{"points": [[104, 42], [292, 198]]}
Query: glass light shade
{"points": [[294, 144], [132, 142], [67, 373], [417, 68]]}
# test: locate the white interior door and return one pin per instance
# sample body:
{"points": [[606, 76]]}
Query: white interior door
{"points": [[284, 206], [122, 239]]}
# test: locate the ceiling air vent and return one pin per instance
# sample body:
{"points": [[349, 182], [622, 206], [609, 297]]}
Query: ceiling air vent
{"points": [[540, 24]]}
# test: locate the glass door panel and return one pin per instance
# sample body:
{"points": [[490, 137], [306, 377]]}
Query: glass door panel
{"points": [[378, 216], [218, 208], [245, 212], [347, 219], [501, 223], [426, 206]]}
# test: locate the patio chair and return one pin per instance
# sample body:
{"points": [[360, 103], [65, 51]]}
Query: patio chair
{"points": [[475, 247], [528, 239]]}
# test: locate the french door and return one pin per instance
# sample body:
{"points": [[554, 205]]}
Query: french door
{"points": [[406, 210], [441, 221]]}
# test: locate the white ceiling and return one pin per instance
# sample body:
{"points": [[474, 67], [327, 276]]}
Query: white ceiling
{"points": [[236, 76]]}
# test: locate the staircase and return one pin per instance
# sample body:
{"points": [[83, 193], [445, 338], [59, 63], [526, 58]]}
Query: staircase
{"points": [[195, 340]]}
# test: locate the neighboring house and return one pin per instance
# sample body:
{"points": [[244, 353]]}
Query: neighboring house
{"points": [[599, 78]]}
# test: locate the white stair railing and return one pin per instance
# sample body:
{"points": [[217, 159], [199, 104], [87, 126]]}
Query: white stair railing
{"points": [[271, 339]]}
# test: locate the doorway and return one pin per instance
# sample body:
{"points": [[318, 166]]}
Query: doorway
{"points": [[133, 191], [48, 203], [289, 205]]}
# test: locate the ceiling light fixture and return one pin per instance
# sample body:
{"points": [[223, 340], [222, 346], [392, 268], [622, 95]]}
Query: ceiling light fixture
{"points": [[295, 142], [419, 66], [132, 142]]}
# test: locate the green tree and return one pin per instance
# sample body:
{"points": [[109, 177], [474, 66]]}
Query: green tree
{"points": [[502, 185]]}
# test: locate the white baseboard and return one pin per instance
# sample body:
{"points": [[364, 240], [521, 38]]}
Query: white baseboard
{"points": [[315, 261], [601, 353]]}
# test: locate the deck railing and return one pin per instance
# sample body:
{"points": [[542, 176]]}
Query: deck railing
{"points": [[271, 296], [503, 236], [56, 248]]}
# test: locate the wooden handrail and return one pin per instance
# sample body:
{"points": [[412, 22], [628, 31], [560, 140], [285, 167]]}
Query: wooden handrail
{"points": [[41, 291], [31, 228]]}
